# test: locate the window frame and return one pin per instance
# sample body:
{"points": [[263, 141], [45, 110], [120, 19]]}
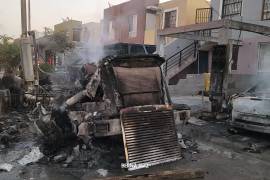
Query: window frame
{"points": [[133, 32], [235, 53], [260, 57], [234, 14], [263, 12], [76, 34], [111, 31], [170, 10]]}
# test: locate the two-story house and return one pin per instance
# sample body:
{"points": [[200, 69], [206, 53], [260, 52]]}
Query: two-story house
{"points": [[91, 33], [180, 13], [72, 28], [235, 33], [130, 22]]}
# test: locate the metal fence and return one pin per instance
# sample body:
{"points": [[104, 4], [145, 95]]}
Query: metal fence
{"points": [[12, 100], [204, 15]]}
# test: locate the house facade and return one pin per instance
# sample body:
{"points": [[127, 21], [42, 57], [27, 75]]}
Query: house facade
{"points": [[129, 22], [244, 38], [72, 28], [85, 38], [180, 13], [252, 56], [176, 13], [91, 32]]}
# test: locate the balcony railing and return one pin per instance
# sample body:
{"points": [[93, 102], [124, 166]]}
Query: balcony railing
{"points": [[203, 15]]}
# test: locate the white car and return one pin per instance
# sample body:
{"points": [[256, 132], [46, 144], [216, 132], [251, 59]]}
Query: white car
{"points": [[252, 110]]}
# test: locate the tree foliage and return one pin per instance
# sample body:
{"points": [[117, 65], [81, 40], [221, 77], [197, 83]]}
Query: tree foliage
{"points": [[46, 67], [9, 52], [61, 41]]}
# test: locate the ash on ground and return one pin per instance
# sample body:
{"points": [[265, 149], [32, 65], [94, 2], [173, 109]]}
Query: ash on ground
{"points": [[18, 138]]}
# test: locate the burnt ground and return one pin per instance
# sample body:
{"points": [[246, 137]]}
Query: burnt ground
{"points": [[222, 155]]}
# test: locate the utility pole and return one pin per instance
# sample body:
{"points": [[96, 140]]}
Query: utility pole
{"points": [[29, 15], [24, 18], [33, 35], [26, 48]]}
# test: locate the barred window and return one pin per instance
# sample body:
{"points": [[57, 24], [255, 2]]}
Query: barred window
{"points": [[232, 7], [170, 19], [266, 10]]}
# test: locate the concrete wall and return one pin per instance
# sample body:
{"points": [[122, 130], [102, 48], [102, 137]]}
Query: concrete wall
{"points": [[192, 85], [91, 32], [248, 57], [175, 46]]}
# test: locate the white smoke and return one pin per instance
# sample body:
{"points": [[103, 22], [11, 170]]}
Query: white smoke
{"points": [[84, 53]]}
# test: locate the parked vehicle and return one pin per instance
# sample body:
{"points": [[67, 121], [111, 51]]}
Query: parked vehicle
{"points": [[251, 110]]}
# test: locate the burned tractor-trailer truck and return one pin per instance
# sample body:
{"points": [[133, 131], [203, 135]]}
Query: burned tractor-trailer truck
{"points": [[127, 96]]}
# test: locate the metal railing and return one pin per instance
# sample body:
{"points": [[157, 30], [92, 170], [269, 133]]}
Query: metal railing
{"points": [[204, 15], [13, 100], [179, 57]]}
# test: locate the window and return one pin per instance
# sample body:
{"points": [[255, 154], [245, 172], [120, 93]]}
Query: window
{"points": [[264, 62], [231, 8], [150, 21], [235, 57], [76, 35], [170, 19], [111, 31], [132, 25], [266, 10]]}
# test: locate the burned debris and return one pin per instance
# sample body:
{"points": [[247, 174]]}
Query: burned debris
{"points": [[149, 92], [126, 96]]}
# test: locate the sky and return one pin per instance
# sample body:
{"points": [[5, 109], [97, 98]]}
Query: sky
{"points": [[46, 13]]}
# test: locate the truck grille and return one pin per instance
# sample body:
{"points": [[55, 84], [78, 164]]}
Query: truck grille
{"points": [[150, 138]]}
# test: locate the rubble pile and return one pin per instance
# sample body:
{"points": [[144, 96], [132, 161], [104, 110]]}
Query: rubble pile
{"points": [[21, 147], [83, 127], [98, 156], [12, 126]]}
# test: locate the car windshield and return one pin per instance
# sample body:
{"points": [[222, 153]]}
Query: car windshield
{"points": [[260, 90]]}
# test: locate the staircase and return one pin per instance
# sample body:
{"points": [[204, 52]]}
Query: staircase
{"points": [[180, 60]]}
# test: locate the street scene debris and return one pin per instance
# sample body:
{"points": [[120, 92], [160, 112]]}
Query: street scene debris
{"points": [[34, 156], [134, 89]]}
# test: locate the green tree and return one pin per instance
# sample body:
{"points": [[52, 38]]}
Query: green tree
{"points": [[9, 52], [60, 42], [46, 68]]}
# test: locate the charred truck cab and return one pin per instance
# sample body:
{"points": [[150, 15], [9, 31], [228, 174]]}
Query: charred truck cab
{"points": [[126, 85], [128, 96]]}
